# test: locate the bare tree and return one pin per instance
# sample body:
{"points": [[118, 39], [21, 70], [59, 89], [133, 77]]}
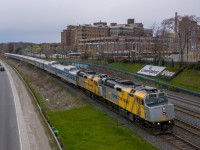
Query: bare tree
{"points": [[159, 42], [47, 50], [58, 51], [183, 27], [10, 48]]}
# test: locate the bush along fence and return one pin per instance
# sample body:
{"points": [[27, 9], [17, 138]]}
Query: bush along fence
{"points": [[137, 76]]}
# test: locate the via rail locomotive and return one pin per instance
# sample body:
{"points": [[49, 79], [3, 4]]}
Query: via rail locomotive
{"points": [[145, 105]]}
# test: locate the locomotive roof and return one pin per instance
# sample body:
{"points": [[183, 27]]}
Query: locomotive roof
{"points": [[148, 89], [118, 81], [124, 84], [140, 94]]}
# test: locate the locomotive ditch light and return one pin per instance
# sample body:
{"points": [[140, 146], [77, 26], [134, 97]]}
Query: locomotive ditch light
{"points": [[163, 110]]}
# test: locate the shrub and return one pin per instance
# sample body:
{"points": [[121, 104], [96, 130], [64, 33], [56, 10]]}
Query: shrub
{"points": [[197, 66], [172, 63], [125, 61], [110, 60], [191, 66]]}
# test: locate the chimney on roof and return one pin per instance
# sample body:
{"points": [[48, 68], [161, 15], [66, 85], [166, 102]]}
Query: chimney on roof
{"points": [[130, 21]]}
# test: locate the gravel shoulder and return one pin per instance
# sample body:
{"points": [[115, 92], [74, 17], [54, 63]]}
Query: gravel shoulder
{"points": [[32, 132]]}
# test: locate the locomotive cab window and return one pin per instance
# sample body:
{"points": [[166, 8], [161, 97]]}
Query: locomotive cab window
{"points": [[141, 102], [152, 101], [100, 83]]}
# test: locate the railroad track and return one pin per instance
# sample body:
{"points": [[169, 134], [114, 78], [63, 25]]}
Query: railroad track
{"points": [[191, 135], [184, 100], [188, 111], [187, 127], [178, 142], [185, 110]]}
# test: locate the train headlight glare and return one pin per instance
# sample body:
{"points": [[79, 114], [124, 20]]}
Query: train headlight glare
{"points": [[158, 123], [169, 121], [163, 109]]}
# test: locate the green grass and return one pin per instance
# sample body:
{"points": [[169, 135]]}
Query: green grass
{"points": [[86, 128], [134, 68], [189, 79]]}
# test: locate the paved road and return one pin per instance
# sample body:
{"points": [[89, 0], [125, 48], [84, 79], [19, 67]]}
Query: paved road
{"points": [[33, 136], [9, 134]]}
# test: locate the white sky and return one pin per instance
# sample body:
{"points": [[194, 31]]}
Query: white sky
{"points": [[42, 20]]}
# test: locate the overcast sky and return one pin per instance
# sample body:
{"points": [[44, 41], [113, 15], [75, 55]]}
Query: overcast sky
{"points": [[42, 20]]}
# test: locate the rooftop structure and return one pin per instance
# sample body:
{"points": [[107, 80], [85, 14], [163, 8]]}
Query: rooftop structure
{"points": [[74, 33]]}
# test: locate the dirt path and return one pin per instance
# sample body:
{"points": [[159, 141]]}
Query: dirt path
{"points": [[33, 135]]}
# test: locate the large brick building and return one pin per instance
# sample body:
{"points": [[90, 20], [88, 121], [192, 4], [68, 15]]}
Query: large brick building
{"points": [[72, 36], [188, 39], [131, 29], [99, 38]]}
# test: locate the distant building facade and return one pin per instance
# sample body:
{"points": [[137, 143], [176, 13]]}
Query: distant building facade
{"points": [[73, 35], [118, 47], [188, 39], [131, 29], [70, 37]]}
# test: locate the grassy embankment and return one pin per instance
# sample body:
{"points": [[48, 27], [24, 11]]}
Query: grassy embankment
{"points": [[87, 128], [189, 79], [80, 125]]}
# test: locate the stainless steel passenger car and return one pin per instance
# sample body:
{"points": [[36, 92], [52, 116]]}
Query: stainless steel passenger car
{"points": [[67, 73]]}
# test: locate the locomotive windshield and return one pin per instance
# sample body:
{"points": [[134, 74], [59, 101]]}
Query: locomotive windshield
{"points": [[152, 101], [100, 83]]}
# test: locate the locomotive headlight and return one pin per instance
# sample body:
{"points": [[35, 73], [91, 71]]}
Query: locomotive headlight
{"points": [[169, 121], [158, 123], [163, 109]]}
